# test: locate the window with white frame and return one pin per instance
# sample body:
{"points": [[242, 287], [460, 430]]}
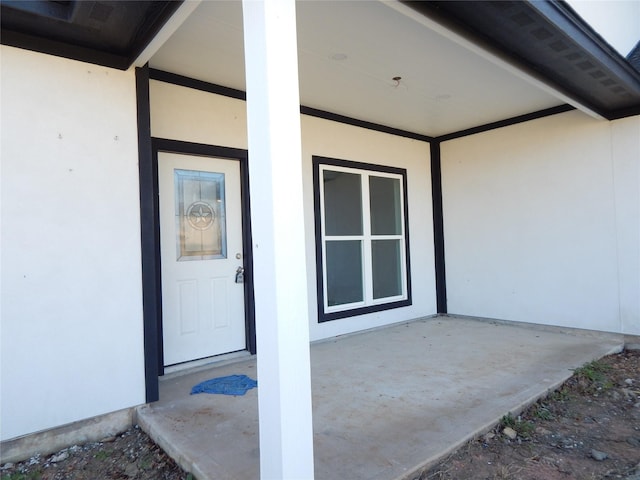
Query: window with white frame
{"points": [[361, 238]]}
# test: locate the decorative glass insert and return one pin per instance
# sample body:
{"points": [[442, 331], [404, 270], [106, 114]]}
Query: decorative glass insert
{"points": [[200, 215]]}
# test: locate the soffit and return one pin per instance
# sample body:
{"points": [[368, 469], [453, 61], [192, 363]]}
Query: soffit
{"points": [[549, 38], [106, 33]]}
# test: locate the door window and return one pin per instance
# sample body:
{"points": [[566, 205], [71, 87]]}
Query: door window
{"points": [[200, 215]]}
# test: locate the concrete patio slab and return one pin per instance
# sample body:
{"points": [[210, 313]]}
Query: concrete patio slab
{"points": [[386, 403]]}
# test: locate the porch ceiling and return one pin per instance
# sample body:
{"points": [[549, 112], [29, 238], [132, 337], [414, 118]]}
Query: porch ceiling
{"points": [[350, 53]]}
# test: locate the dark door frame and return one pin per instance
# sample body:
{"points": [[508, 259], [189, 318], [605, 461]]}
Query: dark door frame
{"points": [[152, 285], [148, 149]]}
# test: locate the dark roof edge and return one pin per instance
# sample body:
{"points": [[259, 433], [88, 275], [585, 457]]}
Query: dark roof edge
{"points": [[121, 61], [64, 50], [569, 21], [146, 37], [634, 57], [480, 39], [624, 113], [559, 16]]}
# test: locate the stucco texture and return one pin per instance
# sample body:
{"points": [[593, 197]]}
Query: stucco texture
{"points": [[72, 338], [541, 223]]}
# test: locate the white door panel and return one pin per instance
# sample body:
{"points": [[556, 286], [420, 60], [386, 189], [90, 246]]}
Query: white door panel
{"points": [[201, 240]]}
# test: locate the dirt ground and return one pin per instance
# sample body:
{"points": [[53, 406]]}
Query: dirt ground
{"points": [[588, 429], [130, 455]]}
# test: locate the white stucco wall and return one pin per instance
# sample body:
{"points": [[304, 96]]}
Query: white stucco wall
{"points": [[541, 223], [186, 114], [335, 140], [71, 318], [625, 153]]}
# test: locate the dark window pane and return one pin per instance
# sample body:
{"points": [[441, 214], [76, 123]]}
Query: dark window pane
{"points": [[342, 203], [344, 272], [387, 281], [385, 206]]}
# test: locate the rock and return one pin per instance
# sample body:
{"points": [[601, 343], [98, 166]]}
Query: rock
{"points": [[542, 431], [510, 432], [634, 441], [488, 436], [629, 381], [131, 471], [7, 466], [59, 457], [108, 440], [598, 456]]}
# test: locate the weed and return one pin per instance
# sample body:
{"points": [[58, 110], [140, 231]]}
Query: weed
{"points": [[507, 472], [35, 475], [524, 429], [592, 377], [102, 455], [542, 412], [146, 462], [560, 396]]}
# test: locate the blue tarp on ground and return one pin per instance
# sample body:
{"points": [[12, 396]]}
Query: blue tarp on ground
{"points": [[230, 385]]}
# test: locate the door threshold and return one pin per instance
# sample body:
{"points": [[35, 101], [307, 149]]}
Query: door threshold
{"points": [[193, 366]]}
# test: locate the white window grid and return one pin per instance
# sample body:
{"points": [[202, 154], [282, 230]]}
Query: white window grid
{"points": [[365, 239]]}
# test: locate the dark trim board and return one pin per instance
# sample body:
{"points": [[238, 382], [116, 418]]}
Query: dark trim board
{"points": [[314, 112], [199, 149], [150, 234], [175, 79], [188, 82], [150, 241], [64, 50], [505, 123], [438, 228]]}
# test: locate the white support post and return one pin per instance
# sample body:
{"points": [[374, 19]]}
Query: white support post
{"points": [[277, 222]]}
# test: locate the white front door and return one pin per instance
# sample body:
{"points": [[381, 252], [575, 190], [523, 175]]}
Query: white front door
{"points": [[201, 251]]}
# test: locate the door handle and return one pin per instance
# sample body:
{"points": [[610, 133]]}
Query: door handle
{"points": [[240, 275]]}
